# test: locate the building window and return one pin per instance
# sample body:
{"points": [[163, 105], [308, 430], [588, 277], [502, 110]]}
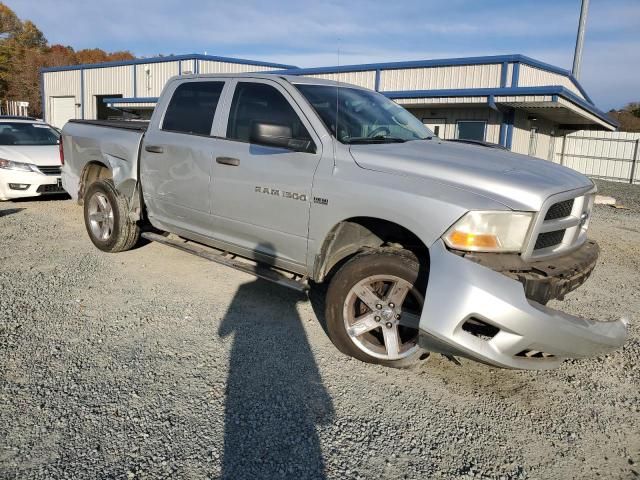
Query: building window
{"points": [[471, 130]]}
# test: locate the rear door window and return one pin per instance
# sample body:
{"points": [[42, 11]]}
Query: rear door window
{"points": [[192, 108]]}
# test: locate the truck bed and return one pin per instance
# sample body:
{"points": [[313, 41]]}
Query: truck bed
{"points": [[114, 144], [139, 125]]}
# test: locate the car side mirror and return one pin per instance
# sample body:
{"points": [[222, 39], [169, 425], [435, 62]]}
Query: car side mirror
{"points": [[275, 135]]}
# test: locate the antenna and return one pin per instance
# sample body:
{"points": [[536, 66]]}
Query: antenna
{"points": [[582, 24]]}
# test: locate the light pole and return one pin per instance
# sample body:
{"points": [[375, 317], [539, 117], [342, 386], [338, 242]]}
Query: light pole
{"points": [[577, 56]]}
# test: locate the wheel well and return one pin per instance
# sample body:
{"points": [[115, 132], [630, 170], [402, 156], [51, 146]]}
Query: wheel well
{"points": [[92, 171], [354, 235]]}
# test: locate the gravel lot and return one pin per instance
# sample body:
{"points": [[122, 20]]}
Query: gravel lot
{"points": [[156, 364]]}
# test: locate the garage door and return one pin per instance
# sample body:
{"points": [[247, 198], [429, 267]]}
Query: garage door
{"points": [[62, 110]]}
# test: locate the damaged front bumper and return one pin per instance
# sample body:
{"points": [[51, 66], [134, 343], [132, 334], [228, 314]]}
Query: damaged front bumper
{"points": [[480, 310]]}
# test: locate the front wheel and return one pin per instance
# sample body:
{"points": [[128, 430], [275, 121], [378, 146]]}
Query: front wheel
{"points": [[106, 216], [373, 307]]}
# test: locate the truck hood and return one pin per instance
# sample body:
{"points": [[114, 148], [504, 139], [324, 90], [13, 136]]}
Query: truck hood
{"points": [[35, 154], [517, 181]]}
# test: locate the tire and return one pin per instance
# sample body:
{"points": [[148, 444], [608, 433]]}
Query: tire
{"points": [[359, 328], [106, 217]]}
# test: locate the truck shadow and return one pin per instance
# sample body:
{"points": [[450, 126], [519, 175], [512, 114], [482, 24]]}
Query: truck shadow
{"points": [[51, 197], [10, 211], [274, 394]]}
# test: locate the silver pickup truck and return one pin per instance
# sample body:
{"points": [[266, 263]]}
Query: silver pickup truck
{"points": [[425, 244]]}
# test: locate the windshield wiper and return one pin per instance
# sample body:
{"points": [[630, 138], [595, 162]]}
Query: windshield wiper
{"points": [[376, 139]]}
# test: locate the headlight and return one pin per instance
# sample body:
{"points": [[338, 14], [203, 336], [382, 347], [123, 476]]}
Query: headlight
{"points": [[23, 167], [489, 231]]}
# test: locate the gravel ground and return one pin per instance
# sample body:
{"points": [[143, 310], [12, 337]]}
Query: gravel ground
{"points": [[156, 364], [625, 194]]}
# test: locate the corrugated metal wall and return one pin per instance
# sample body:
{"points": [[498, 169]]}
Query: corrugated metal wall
{"points": [[103, 81], [606, 155], [188, 66], [540, 145], [61, 84], [437, 78], [152, 77], [453, 115], [138, 80], [536, 77], [208, 66], [366, 79]]}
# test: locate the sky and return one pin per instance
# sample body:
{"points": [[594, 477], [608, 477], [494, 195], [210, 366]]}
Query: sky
{"points": [[330, 32]]}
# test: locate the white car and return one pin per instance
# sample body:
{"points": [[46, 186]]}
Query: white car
{"points": [[29, 158]]}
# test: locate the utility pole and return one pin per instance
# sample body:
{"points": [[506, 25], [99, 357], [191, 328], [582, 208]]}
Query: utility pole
{"points": [[577, 56]]}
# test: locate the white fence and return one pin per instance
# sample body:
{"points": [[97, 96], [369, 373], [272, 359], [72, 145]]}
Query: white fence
{"points": [[12, 107], [607, 155]]}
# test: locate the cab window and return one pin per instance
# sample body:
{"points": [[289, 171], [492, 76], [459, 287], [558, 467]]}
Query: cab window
{"points": [[258, 102], [192, 108]]}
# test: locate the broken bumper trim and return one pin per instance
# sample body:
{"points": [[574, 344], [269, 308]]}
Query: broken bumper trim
{"points": [[543, 280], [460, 290]]}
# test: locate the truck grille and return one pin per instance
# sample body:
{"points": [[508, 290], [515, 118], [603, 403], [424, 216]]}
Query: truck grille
{"points": [[560, 210], [50, 169], [549, 239], [560, 226]]}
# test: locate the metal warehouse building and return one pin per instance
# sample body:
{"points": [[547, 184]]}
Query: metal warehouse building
{"points": [[512, 100]]}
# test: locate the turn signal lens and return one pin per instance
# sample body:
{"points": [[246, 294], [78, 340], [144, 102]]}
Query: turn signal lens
{"points": [[470, 240], [489, 231]]}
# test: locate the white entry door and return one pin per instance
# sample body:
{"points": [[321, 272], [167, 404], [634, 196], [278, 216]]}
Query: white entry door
{"points": [[63, 109], [436, 125]]}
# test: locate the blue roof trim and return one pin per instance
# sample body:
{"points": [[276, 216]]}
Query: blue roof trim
{"points": [[574, 80], [515, 75], [445, 62], [131, 100], [503, 74], [481, 92], [171, 58], [516, 59], [43, 107]]}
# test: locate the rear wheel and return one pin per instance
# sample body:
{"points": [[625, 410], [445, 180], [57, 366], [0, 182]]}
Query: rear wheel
{"points": [[106, 217], [373, 307]]}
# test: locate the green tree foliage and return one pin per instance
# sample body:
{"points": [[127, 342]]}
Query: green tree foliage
{"points": [[24, 50]]}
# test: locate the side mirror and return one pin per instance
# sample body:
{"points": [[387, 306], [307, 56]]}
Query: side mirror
{"points": [[276, 135]]}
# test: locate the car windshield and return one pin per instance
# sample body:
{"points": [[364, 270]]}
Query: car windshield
{"points": [[363, 116], [23, 133]]}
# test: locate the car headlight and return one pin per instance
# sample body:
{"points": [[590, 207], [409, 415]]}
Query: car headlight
{"points": [[11, 165], [489, 231]]}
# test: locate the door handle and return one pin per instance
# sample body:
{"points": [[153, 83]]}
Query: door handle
{"points": [[228, 161], [154, 148]]}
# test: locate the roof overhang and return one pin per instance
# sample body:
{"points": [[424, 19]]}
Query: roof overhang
{"points": [[131, 102], [555, 103], [169, 58]]}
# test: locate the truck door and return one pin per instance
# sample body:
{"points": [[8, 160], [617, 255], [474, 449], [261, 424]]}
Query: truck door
{"points": [[261, 194], [176, 159]]}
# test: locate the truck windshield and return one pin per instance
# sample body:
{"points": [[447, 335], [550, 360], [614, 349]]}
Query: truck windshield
{"points": [[21, 133], [363, 116]]}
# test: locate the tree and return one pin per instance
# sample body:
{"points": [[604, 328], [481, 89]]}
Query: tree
{"points": [[24, 50], [29, 36], [10, 24], [628, 117]]}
